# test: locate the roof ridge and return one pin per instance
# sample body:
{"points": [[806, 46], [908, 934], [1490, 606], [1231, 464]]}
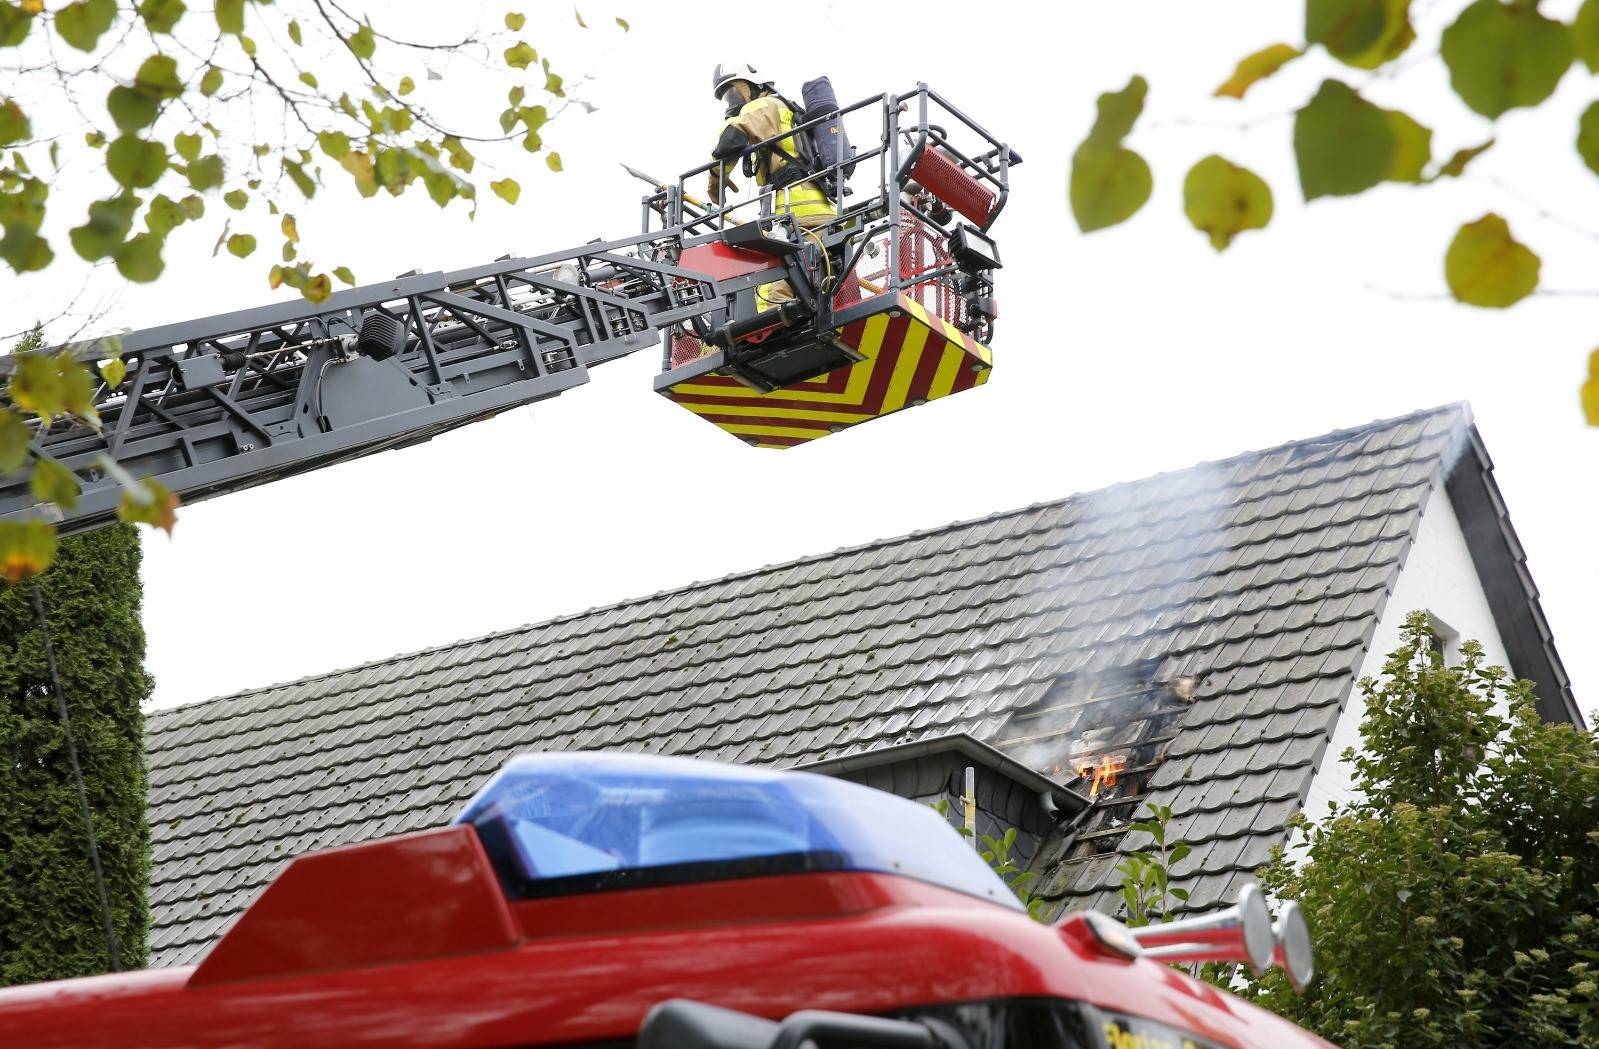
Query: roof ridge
{"points": [[1461, 407]]}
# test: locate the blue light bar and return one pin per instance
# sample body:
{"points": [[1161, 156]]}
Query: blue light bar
{"points": [[585, 821]]}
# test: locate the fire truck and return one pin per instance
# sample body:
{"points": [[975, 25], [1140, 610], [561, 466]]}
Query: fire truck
{"points": [[588, 900], [892, 307], [602, 901]]}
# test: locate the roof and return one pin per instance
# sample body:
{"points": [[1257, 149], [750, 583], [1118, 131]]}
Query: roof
{"points": [[1237, 596]]}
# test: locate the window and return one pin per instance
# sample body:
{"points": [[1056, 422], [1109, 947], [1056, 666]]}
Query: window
{"points": [[1443, 640]]}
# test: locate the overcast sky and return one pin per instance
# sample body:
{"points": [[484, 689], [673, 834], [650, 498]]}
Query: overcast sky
{"points": [[1118, 355]]}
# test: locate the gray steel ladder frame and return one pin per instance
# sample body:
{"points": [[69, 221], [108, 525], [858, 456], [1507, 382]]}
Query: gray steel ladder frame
{"points": [[214, 405]]}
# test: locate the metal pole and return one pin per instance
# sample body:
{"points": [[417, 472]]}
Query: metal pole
{"points": [[969, 800], [77, 776]]}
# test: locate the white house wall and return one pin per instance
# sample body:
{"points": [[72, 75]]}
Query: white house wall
{"points": [[1438, 577]]}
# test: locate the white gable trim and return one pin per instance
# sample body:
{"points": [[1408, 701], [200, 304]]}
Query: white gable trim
{"points": [[1438, 576]]}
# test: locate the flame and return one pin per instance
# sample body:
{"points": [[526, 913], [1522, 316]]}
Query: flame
{"points": [[1104, 771]]}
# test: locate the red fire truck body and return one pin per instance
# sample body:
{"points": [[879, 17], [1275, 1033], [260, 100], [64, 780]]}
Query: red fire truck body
{"points": [[414, 941]]}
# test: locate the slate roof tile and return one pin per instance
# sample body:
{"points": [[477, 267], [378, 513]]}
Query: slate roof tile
{"points": [[1261, 576]]}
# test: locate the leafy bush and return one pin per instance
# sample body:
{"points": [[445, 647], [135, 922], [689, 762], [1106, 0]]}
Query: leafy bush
{"points": [[50, 923], [1453, 902]]}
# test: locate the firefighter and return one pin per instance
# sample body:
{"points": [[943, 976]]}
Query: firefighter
{"points": [[755, 113]]}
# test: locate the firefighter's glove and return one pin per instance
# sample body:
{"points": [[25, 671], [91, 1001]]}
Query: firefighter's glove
{"points": [[718, 182]]}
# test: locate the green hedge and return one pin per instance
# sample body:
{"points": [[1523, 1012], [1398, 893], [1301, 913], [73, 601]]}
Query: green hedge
{"points": [[50, 925]]}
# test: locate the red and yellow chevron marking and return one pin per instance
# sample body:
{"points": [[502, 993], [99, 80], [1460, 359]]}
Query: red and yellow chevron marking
{"points": [[911, 357]]}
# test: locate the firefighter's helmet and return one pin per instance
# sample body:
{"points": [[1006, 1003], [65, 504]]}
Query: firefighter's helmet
{"points": [[727, 72]]}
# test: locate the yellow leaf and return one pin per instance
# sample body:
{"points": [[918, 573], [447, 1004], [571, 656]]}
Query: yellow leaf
{"points": [[1590, 391], [515, 20], [407, 85], [26, 549], [1486, 266], [581, 24], [53, 483], [1222, 200], [1257, 67], [290, 230], [113, 372], [623, 23], [33, 7], [149, 502], [553, 159], [506, 189], [318, 288]]}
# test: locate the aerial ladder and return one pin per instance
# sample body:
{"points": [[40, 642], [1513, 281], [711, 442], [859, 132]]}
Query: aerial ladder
{"points": [[893, 306]]}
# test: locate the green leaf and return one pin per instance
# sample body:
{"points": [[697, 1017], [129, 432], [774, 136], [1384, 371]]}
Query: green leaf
{"points": [[193, 207], [164, 215], [53, 483], [14, 437], [1455, 166], [294, 32], [308, 78], [1256, 67], [405, 86], [14, 126], [158, 77], [77, 388], [506, 189], [521, 56], [552, 84], [206, 172], [109, 223], [24, 250], [134, 162], [1222, 200], [140, 258], [344, 274], [553, 161], [241, 244], [1360, 33], [1109, 182], [131, 109], [1343, 144], [230, 16], [334, 143], [81, 24], [1588, 137], [301, 180], [1504, 56], [186, 145], [161, 15], [113, 372], [211, 81], [1116, 112], [515, 20], [1486, 266], [26, 549], [624, 24], [1585, 34], [1412, 148], [362, 42], [236, 199], [94, 139], [14, 24]]}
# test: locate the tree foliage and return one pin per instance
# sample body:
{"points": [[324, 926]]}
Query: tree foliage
{"points": [[50, 925], [253, 105], [1499, 56], [1454, 902]]}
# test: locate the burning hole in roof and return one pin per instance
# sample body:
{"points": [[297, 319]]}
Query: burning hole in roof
{"points": [[1105, 733]]}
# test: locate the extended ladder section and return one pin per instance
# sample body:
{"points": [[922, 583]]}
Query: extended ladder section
{"points": [[228, 402]]}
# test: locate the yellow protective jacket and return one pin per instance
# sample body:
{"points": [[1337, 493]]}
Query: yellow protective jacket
{"points": [[757, 120]]}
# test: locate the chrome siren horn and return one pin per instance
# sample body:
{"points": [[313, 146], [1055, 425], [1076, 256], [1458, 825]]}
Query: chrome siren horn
{"points": [[1293, 953], [1241, 933]]}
